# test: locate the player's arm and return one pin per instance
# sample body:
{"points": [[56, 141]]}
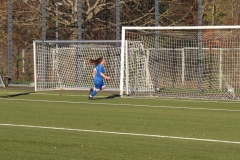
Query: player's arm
{"points": [[94, 72], [102, 73], [104, 76]]}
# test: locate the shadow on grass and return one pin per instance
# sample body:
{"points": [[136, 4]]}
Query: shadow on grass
{"points": [[108, 97], [15, 95]]}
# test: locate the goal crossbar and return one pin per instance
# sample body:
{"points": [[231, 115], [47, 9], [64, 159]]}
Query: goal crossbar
{"points": [[179, 27]]}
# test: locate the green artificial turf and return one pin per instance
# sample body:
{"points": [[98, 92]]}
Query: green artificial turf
{"points": [[66, 125]]}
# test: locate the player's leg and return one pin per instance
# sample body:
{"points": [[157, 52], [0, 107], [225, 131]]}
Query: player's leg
{"points": [[93, 94], [98, 86], [91, 90], [103, 86]]}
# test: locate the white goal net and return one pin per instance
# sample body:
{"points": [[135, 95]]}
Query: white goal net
{"points": [[181, 62], [1, 82], [65, 64]]}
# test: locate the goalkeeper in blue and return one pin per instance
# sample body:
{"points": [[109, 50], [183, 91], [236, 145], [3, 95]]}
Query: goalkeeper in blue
{"points": [[98, 76]]}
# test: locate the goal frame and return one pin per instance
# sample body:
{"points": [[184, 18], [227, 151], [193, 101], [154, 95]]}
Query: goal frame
{"points": [[2, 84], [35, 42], [156, 28]]}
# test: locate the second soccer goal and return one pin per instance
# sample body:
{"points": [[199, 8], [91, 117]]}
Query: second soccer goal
{"points": [[181, 62]]}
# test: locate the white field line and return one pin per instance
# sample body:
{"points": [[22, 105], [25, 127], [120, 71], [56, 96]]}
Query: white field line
{"points": [[120, 104], [153, 98], [186, 100], [121, 133]]}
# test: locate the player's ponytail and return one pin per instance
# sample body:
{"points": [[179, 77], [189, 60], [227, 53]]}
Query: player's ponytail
{"points": [[96, 61]]}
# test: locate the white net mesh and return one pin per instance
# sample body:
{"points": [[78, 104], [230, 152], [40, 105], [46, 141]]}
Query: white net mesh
{"points": [[66, 66], [1, 82], [183, 63]]}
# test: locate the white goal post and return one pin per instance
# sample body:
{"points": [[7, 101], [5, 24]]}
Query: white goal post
{"points": [[181, 62], [64, 65]]}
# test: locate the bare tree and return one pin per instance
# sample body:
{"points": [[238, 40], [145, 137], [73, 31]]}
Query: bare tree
{"points": [[221, 12], [99, 18]]}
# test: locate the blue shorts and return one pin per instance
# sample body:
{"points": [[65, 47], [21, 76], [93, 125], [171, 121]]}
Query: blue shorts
{"points": [[98, 84]]}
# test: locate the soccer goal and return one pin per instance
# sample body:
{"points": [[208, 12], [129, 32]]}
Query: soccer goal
{"points": [[1, 82], [64, 65], [181, 62]]}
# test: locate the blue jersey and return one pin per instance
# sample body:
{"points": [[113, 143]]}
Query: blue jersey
{"points": [[99, 69]]}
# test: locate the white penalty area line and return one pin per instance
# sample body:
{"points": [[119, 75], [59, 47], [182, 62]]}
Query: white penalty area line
{"points": [[121, 104], [121, 133]]}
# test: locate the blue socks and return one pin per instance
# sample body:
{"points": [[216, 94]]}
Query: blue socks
{"points": [[93, 93]]}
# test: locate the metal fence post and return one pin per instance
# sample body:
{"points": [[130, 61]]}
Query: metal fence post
{"points": [[200, 46], [10, 38], [156, 85], [43, 39], [79, 20]]}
